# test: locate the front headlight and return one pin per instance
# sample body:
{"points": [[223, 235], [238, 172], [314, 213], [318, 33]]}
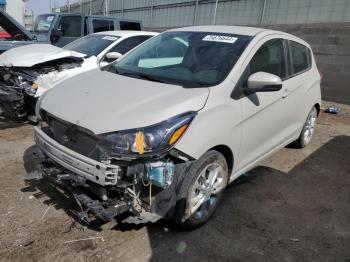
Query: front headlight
{"points": [[155, 139], [38, 110]]}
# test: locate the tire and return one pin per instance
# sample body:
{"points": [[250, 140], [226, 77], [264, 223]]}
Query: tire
{"points": [[201, 191], [307, 131]]}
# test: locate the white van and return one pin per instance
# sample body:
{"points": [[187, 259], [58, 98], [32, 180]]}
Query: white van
{"points": [[163, 131]]}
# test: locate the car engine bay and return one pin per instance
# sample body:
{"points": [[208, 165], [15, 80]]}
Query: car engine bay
{"points": [[18, 86]]}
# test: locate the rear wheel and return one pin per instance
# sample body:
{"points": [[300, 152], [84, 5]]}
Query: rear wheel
{"points": [[308, 130], [202, 190]]}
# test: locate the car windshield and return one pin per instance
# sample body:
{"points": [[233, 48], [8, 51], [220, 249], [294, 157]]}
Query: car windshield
{"points": [[92, 45], [189, 59], [43, 23]]}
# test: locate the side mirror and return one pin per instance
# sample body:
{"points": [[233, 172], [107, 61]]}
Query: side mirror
{"points": [[112, 56], [56, 34], [263, 82]]}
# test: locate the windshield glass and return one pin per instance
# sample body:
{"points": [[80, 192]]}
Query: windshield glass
{"points": [[92, 45], [189, 59], [43, 23]]}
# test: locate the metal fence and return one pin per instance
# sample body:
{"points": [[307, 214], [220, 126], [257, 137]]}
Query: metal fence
{"points": [[175, 13]]}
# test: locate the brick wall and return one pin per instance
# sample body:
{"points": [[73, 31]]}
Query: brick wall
{"points": [[331, 46]]}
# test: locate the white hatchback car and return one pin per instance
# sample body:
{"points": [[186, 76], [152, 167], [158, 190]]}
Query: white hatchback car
{"points": [[163, 131]]}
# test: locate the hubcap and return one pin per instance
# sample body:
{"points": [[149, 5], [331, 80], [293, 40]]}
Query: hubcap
{"points": [[309, 127], [206, 189]]}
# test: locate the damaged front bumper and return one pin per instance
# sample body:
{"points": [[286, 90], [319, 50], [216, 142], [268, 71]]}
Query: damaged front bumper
{"points": [[146, 190], [95, 171]]}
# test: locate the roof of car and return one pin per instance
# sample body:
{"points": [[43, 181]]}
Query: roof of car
{"points": [[239, 30], [124, 33]]}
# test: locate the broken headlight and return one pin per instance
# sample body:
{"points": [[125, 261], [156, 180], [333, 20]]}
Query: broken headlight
{"points": [[155, 139]]}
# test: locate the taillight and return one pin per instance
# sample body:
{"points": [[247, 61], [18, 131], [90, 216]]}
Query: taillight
{"points": [[321, 75]]}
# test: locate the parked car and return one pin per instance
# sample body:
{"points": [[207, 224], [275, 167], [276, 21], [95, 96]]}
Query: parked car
{"points": [[60, 29], [3, 34], [163, 132], [28, 71]]}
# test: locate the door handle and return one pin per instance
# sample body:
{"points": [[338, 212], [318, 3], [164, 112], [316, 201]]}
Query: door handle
{"points": [[286, 93]]}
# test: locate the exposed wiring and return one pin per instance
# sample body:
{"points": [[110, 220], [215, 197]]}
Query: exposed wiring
{"points": [[150, 195]]}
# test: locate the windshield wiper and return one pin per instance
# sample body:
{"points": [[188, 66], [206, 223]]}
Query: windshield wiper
{"points": [[146, 77]]}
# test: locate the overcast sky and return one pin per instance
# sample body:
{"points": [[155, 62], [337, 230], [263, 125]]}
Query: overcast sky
{"points": [[42, 6]]}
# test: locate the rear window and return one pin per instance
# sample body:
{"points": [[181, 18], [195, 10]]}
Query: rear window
{"points": [[102, 25], [134, 26], [301, 57], [129, 43]]}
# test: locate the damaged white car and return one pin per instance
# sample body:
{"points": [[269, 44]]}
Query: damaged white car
{"points": [[27, 72], [161, 133]]}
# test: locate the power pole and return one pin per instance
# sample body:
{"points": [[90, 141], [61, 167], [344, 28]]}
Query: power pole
{"points": [[68, 6], [263, 12], [107, 7], [152, 7], [215, 10], [195, 13]]}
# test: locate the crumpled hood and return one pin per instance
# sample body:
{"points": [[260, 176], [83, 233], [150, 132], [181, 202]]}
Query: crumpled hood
{"points": [[105, 102], [31, 55]]}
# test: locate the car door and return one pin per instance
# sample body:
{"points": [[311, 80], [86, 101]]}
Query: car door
{"points": [[71, 27], [265, 120], [300, 80]]}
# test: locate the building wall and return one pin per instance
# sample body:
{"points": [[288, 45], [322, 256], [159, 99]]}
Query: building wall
{"points": [[175, 13], [16, 9]]}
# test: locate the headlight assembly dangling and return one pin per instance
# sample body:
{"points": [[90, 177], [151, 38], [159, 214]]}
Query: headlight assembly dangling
{"points": [[155, 139], [38, 109]]}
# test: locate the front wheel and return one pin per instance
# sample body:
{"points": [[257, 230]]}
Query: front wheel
{"points": [[201, 190]]}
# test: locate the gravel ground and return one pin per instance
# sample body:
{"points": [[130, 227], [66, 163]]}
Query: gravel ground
{"points": [[294, 207]]}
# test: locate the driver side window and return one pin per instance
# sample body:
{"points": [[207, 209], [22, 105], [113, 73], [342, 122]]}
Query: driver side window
{"points": [[70, 26], [270, 58]]}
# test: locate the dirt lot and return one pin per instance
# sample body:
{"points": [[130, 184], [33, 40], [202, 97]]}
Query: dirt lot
{"points": [[294, 207]]}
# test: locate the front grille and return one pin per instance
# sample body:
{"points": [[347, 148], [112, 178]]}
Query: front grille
{"points": [[76, 138]]}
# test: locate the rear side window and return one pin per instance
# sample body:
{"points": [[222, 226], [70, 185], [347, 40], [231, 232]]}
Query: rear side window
{"points": [[129, 43], [134, 26], [70, 26], [102, 25], [301, 57], [270, 58]]}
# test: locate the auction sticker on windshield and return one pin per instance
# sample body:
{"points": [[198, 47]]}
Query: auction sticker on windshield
{"points": [[220, 38], [110, 38]]}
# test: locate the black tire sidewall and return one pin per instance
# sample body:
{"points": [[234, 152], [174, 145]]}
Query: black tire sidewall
{"points": [[188, 182]]}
